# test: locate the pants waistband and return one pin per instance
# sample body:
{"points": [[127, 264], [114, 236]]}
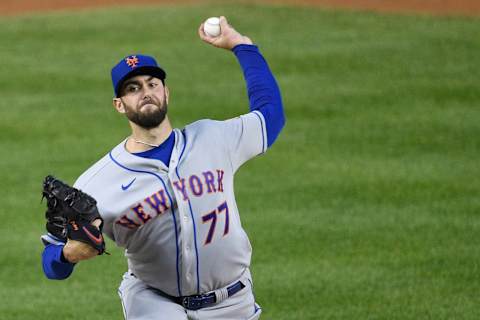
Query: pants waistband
{"points": [[195, 302]]}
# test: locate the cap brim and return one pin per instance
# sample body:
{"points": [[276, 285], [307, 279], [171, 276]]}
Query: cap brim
{"points": [[151, 71]]}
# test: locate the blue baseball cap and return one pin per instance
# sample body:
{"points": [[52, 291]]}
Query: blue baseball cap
{"points": [[135, 65]]}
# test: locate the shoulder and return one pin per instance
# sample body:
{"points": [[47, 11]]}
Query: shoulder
{"points": [[203, 125], [95, 170], [99, 170], [204, 128], [209, 126]]}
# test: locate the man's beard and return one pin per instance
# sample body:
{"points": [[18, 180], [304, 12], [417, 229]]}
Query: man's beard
{"points": [[148, 119]]}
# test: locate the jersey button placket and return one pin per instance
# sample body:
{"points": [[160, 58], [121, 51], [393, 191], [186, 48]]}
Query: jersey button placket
{"points": [[188, 260]]}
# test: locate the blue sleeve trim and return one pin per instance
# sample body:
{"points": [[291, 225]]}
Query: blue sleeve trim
{"points": [[53, 266], [263, 91], [263, 135]]}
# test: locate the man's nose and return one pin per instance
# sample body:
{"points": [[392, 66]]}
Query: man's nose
{"points": [[147, 92]]}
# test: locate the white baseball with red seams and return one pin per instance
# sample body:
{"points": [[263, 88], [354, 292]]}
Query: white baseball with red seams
{"points": [[211, 27]]}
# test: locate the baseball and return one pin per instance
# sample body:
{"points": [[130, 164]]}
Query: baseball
{"points": [[211, 27]]}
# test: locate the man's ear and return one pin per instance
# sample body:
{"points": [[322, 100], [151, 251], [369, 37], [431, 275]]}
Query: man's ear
{"points": [[167, 93], [118, 105]]}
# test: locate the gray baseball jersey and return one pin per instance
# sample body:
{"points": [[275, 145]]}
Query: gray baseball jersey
{"points": [[180, 225]]}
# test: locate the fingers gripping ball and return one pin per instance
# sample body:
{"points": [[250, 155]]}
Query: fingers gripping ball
{"points": [[211, 27], [70, 214]]}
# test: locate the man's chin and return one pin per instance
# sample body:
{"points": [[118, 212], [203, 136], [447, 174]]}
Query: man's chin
{"points": [[151, 120], [148, 116], [150, 123], [149, 106]]}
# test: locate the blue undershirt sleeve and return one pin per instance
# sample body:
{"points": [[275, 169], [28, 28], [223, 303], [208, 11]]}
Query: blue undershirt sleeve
{"points": [[263, 92], [53, 265]]}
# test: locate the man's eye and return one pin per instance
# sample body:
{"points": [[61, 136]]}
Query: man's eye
{"points": [[132, 88], [153, 84]]}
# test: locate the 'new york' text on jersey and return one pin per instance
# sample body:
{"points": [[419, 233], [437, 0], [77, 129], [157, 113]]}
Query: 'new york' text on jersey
{"points": [[180, 225]]}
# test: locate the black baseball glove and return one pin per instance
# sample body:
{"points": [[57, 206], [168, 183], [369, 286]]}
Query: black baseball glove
{"points": [[70, 213]]}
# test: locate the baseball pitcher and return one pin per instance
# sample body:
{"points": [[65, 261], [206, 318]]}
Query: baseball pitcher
{"points": [[166, 196]]}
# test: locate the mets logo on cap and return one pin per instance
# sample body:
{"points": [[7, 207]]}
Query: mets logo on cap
{"points": [[132, 61]]}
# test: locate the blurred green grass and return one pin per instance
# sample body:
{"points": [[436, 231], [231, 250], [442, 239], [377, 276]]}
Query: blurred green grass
{"points": [[368, 205]]}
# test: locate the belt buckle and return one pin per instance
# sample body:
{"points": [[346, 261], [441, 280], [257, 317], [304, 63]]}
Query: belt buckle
{"points": [[192, 303]]}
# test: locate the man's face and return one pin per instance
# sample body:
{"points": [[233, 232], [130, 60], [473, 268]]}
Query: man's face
{"points": [[143, 99]]}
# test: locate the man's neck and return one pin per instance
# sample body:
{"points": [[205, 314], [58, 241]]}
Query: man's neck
{"points": [[148, 137]]}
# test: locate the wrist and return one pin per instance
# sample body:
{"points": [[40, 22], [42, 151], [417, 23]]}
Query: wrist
{"points": [[63, 258], [66, 255], [245, 47], [239, 41]]}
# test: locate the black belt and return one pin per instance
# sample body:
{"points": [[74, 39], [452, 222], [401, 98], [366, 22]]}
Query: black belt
{"points": [[196, 302]]}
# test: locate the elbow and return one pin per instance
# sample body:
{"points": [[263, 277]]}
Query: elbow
{"points": [[283, 120], [274, 131], [281, 115], [275, 121]]}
